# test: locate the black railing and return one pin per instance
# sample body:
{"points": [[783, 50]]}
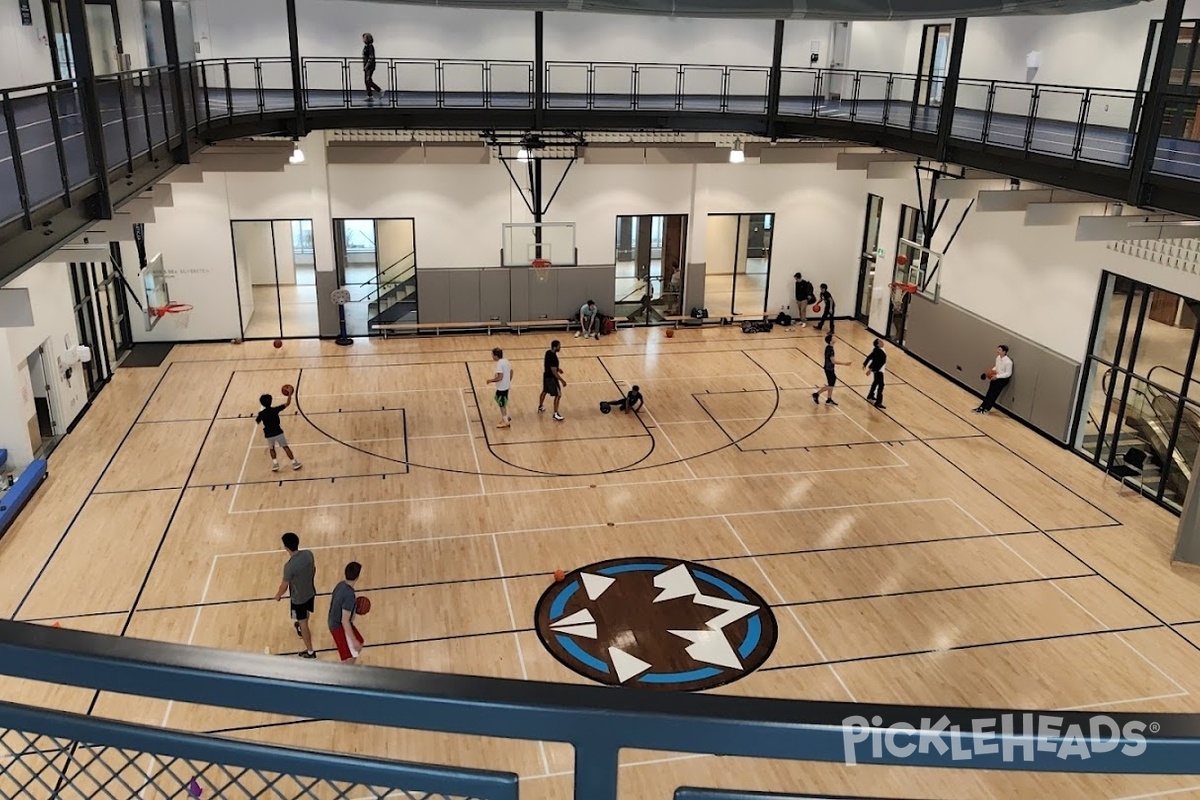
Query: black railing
{"points": [[148, 115]]}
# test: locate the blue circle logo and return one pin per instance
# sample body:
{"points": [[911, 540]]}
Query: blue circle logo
{"points": [[656, 623]]}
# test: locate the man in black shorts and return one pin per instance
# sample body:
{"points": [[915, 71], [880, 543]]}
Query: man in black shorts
{"points": [[630, 402], [299, 582], [552, 379], [273, 430], [831, 364]]}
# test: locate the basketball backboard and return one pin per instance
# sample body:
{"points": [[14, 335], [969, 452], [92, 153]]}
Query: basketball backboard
{"points": [[525, 242], [920, 266], [158, 294]]}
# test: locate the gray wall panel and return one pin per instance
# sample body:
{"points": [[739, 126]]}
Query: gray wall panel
{"points": [[693, 287], [464, 294], [962, 344], [543, 295], [327, 310], [495, 287], [433, 295]]}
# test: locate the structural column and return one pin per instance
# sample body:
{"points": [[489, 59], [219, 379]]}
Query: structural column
{"points": [[167, 8], [89, 105], [299, 125], [1145, 142], [950, 89], [775, 82], [539, 70]]}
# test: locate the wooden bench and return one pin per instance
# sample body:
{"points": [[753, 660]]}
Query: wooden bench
{"points": [[688, 318], [518, 325], [437, 327]]}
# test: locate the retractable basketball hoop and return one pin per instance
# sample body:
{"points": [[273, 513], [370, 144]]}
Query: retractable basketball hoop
{"points": [[181, 313], [899, 291], [541, 268]]}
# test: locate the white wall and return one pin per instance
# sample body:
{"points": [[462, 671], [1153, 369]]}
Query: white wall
{"points": [[49, 286], [24, 50]]}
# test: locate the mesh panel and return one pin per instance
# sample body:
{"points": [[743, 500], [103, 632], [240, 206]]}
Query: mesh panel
{"points": [[35, 767]]}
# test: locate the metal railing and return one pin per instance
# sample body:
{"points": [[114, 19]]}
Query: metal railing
{"points": [[597, 721]]}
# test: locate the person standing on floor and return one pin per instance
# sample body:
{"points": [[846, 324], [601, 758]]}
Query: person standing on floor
{"points": [[827, 306], [552, 380], [873, 365], [503, 381], [998, 378], [831, 364], [368, 57], [299, 583], [804, 299], [342, 606], [268, 417]]}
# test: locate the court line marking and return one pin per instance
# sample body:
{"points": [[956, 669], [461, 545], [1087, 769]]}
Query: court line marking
{"points": [[795, 617], [462, 398], [1163, 793], [679, 455], [911, 501], [242, 471]]}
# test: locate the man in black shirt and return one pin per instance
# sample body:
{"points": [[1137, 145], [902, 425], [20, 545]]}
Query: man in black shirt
{"points": [[369, 64], [804, 298], [831, 363], [873, 365], [273, 430], [552, 377], [827, 306]]}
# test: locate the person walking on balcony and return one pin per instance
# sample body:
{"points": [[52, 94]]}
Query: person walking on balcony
{"points": [[369, 65]]}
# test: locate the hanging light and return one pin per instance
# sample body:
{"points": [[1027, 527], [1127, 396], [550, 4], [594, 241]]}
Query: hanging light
{"points": [[297, 156], [737, 155], [522, 154]]}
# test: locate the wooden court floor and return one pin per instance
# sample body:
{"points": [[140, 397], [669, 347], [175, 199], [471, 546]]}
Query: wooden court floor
{"points": [[918, 555]]}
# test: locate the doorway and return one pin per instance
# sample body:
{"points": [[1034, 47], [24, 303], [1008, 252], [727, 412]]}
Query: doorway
{"points": [[1181, 111], [276, 278], [650, 261], [910, 223], [932, 64], [376, 261], [43, 426], [866, 262], [104, 37], [738, 263]]}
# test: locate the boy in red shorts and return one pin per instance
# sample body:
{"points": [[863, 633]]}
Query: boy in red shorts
{"points": [[341, 616]]}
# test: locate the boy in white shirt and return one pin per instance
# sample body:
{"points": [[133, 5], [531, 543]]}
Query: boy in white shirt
{"points": [[503, 380], [1003, 374]]}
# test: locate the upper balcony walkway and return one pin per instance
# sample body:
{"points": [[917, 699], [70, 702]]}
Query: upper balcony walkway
{"points": [[1072, 137]]}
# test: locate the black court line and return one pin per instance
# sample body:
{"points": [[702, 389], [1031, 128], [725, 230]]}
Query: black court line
{"points": [[404, 439], [973, 646], [305, 479], [936, 590], [521, 575], [569, 439], [82, 505]]}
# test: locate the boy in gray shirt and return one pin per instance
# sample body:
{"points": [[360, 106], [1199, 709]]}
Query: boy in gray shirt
{"points": [[342, 608], [299, 582]]}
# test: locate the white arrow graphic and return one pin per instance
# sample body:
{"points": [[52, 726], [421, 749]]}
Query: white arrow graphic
{"points": [[584, 631], [626, 666], [675, 582], [595, 585], [710, 647], [733, 610], [578, 618]]}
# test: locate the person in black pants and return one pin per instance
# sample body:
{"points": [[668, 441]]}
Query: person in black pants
{"points": [[804, 298], [874, 365], [999, 377], [369, 65], [831, 365], [826, 308]]}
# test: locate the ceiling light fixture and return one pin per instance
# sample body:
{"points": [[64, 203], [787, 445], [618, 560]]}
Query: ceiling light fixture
{"points": [[737, 155], [297, 156]]}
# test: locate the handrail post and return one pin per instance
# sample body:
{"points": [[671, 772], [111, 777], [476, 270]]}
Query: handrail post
{"points": [[89, 106], [171, 35], [596, 767], [775, 81], [1145, 141], [950, 88], [539, 69], [299, 126]]}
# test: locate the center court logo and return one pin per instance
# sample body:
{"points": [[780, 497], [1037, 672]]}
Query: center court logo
{"points": [[1010, 737]]}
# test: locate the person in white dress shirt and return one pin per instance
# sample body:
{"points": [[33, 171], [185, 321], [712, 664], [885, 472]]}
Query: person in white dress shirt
{"points": [[1004, 371]]}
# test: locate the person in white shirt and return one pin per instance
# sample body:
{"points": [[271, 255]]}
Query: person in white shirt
{"points": [[503, 380], [1003, 374]]}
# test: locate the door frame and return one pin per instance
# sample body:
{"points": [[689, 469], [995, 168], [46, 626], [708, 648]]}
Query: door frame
{"points": [[867, 257], [58, 59], [923, 86], [738, 235]]}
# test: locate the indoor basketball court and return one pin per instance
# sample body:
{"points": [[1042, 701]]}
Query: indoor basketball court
{"points": [[917, 554]]}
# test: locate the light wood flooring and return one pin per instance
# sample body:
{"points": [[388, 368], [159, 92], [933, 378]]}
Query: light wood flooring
{"points": [[918, 555]]}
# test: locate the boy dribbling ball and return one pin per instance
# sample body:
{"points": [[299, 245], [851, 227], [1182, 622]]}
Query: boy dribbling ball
{"points": [[268, 417]]}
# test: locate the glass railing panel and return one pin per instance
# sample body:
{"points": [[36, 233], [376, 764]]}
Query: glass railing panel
{"points": [[567, 85], [660, 86], [1178, 148], [463, 83], [1107, 137], [837, 94], [799, 91], [415, 83], [276, 82], [1008, 122], [702, 88], [510, 84], [971, 109], [614, 86], [1058, 121], [330, 82], [747, 90]]}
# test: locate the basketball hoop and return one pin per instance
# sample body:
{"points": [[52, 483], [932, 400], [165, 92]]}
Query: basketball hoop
{"points": [[541, 268], [899, 290], [181, 313]]}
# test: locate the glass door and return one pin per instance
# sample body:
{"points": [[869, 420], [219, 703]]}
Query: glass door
{"points": [[737, 263], [650, 264], [866, 262], [931, 68]]}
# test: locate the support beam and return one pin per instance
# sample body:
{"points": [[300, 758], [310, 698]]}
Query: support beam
{"points": [[1134, 227], [1150, 122], [950, 87], [539, 70], [89, 106], [299, 125], [775, 82], [178, 98], [1021, 199]]}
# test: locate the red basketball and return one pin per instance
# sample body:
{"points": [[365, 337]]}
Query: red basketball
{"points": [[670, 334], [362, 606], [287, 390], [817, 308], [902, 259], [278, 343]]}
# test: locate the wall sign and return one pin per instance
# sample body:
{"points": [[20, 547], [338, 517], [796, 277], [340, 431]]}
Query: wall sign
{"points": [[26, 13]]}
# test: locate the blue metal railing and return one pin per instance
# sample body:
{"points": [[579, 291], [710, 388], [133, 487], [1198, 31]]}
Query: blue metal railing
{"points": [[597, 721]]}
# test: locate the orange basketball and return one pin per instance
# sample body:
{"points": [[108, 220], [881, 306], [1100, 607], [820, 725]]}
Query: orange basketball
{"points": [[287, 390], [362, 606], [902, 259], [991, 374], [278, 343], [817, 308], [670, 333], [559, 575]]}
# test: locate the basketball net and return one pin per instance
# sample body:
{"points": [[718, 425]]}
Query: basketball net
{"points": [[899, 290], [180, 312], [541, 268]]}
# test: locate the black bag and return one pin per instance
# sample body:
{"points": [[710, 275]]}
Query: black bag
{"points": [[757, 326], [783, 319], [699, 313]]}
